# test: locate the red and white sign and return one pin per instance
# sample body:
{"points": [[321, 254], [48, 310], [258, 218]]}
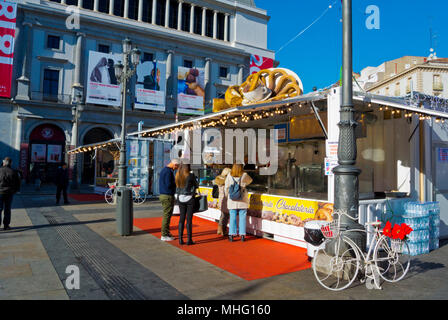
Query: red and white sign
{"points": [[8, 13], [258, 63]]}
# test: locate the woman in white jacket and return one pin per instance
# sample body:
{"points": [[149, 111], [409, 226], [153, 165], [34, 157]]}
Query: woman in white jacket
{"points": [[240, 206]]}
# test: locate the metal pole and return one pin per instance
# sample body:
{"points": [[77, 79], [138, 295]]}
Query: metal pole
{"points": [[346, 174], [124, 209], [75, 164]]}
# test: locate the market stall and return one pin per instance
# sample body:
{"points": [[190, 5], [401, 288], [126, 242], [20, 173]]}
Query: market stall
{"points": [[392, 133], [146, 157]]}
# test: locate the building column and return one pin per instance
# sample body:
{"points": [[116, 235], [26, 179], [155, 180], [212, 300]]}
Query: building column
{"points": [[192, 18], [215, 24], [63, 1], [204, 20], [179, 15], [126, 9], [77, 87], [154, 11], [140, 10], [240, 73], [95, 5], [226, 27], [19, 129], [80, 3], [111, 6], [167, 14], [23, 82], [207, 77]]}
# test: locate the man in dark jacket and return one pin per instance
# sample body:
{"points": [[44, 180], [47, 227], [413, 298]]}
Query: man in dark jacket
{"points": [[9, 184], [167, 189], [62, 183]]}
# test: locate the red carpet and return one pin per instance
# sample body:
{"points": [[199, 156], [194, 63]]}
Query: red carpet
{"points": [[255, 258], [86, 197]]}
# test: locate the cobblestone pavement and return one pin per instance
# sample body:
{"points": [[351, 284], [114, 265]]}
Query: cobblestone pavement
{"points": [[45, 239]]}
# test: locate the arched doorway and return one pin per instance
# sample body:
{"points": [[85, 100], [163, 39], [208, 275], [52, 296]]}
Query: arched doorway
{"points": [[92, 136], [46, 152]]}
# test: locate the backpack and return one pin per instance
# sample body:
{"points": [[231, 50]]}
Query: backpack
{"points": [[235, 191], [215, 191]]}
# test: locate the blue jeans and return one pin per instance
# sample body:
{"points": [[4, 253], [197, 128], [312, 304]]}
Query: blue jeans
{"points": [[242, 223]]}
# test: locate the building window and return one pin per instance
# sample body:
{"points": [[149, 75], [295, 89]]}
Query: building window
{"points": [[103, 6], [397, 89], [221, 19], [223, 72], [160, 12], [197, 20], [148, 56], [50, 86], [147, 11], [119, 8], [209, 23], [186, 10], [71, 2], [437, 83], [188, 64], [87, 4], [133, 9], [174, 9], [103, 48], [53, 42]]}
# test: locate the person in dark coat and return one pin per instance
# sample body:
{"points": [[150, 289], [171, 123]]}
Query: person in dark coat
{"points": [[9, 184], [62, 183]]}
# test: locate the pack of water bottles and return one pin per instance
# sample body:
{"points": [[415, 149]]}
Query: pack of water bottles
{"points": [[424, 219]]}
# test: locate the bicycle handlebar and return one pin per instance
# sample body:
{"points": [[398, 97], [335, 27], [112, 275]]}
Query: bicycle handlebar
{"points": [[340, 212]]}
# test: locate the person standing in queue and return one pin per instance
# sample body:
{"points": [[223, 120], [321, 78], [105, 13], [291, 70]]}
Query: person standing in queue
{"points": [[186, 186], [167, 189], [237, 199], [222, 202], [62, 183]]}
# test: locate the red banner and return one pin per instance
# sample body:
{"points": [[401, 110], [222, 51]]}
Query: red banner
{"points": [[8, 13], [258, 63]]}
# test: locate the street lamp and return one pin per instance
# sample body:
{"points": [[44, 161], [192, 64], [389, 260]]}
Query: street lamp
{"points": [[346, 186], [123, 72], [76, 113]]}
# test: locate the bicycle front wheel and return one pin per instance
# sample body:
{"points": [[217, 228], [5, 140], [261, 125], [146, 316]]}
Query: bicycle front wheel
{"points": [[392, 264], [138, 196], [109, 196], [336, 266]]}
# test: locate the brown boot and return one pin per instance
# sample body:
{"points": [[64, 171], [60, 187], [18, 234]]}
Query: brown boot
{"points": [[219, 230]]}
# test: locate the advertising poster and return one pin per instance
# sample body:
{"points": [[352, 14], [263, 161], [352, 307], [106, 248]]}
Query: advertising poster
{"points": [[258, 63], [38, 152], [102, 85], [281, 209], [138, 161], [190, 91], [8, 13], [54, 153], [151, 86]]}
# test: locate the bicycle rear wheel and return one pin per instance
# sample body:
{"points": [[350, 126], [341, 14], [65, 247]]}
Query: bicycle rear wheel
{"points": [[138, 196], [392, 264], [109, 196], [336, 268]]}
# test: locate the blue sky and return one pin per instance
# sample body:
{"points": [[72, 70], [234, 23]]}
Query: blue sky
{"points": [[317, 54]]}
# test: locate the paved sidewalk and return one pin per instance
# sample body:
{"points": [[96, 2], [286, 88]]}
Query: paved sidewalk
{"points": [[45, 239]]}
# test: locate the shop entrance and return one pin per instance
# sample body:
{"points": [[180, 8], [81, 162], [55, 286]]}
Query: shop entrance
{"points": [[46, 152], [92, 136]]}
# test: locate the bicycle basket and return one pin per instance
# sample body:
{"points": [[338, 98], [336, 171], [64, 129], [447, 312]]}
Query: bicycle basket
{"points": [[396, 245], [331, 230]]}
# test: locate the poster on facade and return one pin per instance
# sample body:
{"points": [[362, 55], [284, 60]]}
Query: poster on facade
{"points": [[54, 153], [151, 86], [287, 210], [102, 85], [8, 14], [38, 152], [138, 162], [258, 63], [190, 91]]}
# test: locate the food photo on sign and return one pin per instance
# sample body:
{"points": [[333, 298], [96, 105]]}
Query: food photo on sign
{"points": [[190, 91]]}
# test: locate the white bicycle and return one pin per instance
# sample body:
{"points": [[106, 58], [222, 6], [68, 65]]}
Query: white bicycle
{"points": [[338, 263], [138, 195]]}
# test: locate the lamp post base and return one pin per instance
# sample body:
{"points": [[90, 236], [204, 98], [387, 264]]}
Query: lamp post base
{"points": [[124, 211]]}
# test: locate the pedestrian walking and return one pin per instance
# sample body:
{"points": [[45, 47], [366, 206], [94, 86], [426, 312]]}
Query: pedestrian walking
{"points": [[186, 186], [167, 189], [237, 199], [222, 202], [9, 185], [62, 183]]}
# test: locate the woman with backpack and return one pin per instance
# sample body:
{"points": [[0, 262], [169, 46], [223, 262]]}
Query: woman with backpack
{"points": [[186, 185], [219, 183], [237, 199]]}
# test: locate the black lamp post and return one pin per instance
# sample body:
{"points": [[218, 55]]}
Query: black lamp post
{"points": [[76, 113], [346, 174], [123, 72]]}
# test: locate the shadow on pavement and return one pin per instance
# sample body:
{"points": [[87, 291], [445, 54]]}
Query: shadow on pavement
{"points": [[22, 229]]}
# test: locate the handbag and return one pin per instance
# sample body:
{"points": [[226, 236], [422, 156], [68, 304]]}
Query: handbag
{"points": [[200, 203]]}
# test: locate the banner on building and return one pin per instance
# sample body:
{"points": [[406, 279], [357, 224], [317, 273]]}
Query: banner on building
{"points": [[8, 14], [102, 85], [151, 86], [258, 63], [190, 91]]}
